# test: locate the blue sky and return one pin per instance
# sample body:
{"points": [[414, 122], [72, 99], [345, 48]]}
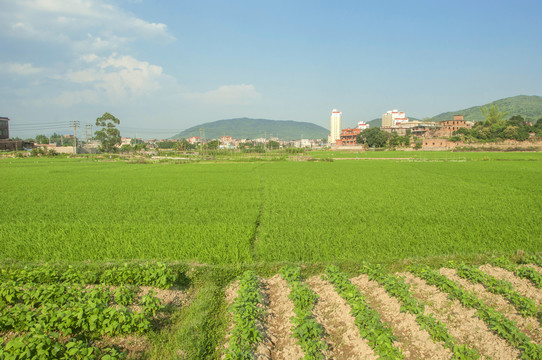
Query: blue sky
{"points": [[164, 66]]}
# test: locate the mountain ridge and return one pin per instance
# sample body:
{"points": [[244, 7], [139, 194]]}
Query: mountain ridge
{"points": [[249, 128]]}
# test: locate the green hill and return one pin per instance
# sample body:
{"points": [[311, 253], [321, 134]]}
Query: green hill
{"points": [[530, 107], [245, 128]]}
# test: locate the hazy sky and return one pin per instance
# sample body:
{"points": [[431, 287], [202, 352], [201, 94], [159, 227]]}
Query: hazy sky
{"points": [[164, 66]]}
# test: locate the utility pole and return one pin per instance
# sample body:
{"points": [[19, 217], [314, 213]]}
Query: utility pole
{"points": [[75, 124], [201, 137], [87, 127]]}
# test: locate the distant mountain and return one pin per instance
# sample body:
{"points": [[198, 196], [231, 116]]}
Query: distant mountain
{"points": [[530, 107], [245, 128]]}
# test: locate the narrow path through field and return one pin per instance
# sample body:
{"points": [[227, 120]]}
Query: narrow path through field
{"points": [[522, 286], [281, 309], [333, 313], [462, 323], [413, 341], [530, 326]]}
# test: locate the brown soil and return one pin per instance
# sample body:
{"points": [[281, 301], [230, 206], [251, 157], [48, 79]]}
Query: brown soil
{"points": [[133, 345], [530, 326], [522, 286], [231, 295], [461, 322], [413, 341], [333, 313], [536, 267], [279, 334]]}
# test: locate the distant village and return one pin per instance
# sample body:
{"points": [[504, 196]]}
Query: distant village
{"points": [[415, 134]]}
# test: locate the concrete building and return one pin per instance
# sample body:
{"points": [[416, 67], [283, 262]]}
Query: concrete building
{"points": [[348, 137], [393, 118], [193, 139], [336, 118], [226, 140], [4, 128], [363, 126]]}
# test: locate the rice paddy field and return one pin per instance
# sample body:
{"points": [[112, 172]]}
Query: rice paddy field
{"points": [[247, 259]]}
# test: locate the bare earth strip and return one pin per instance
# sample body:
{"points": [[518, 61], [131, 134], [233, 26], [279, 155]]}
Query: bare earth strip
{"points": [[231, 295], [462, 323], [530, 326], [282, 343], [333, 313], [413, 341], [522, 286]]}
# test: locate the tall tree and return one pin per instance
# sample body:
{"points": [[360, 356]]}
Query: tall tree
{"points": [[493, 115], [373, 137], [109, 135]]}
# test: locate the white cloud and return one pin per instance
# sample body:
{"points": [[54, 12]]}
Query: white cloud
{"points": [[228, 95], [81, 24], [114, 78], [20, 69]]}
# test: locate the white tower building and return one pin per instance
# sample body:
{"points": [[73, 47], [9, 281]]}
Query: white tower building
{"points": [[336, 117], [393, 118]]}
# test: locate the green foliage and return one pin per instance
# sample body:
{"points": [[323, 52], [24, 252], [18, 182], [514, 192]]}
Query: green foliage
{"points": [[245, 128], [529, 107], [495, 321], [525, 306], [146, 274], [493, 116], [109, 135], [39, 345], [373, 137], [247, 314], [397, 287], [308, 332], [49, 309], [379, 336]]}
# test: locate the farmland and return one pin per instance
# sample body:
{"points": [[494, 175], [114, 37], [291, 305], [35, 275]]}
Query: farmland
{"points": [[277, 211], [399, 259]]}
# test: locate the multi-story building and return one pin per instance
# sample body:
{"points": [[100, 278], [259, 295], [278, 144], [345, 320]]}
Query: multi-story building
{"points": [[4, 128], [336, 118], [348, 137], [193, 139], [393, 118], [363, 126], [448, 127], [226, 140]]}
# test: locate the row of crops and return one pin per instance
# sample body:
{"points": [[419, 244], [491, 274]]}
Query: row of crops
{"points": [[52, 313], [80, 312], [226, 213], [250, 313]]}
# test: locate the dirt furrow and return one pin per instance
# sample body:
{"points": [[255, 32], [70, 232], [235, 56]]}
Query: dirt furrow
{"points": [[278, 327], [231, 295], [462, 323], [536, 267], [529, 326], [522, 286], [333, 313], [413, 341]]}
